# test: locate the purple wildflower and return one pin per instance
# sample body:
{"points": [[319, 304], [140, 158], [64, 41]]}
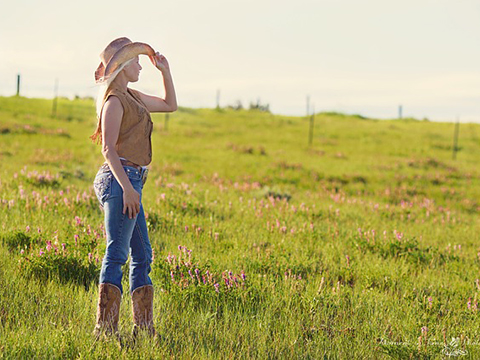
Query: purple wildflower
{"points": [[424, 331]]}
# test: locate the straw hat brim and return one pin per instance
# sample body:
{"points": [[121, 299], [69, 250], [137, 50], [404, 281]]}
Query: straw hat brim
{"points": [[126, 53]]}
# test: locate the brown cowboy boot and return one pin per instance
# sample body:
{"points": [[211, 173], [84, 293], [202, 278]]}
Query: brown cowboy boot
{"points": [[142, 307], [108, 310]]}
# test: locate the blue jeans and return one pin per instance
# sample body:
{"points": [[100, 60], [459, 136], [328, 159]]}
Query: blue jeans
{"points": [[124, 235]]}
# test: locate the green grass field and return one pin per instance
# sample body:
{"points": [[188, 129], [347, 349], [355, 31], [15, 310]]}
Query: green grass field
{"points": [[363, 246]]}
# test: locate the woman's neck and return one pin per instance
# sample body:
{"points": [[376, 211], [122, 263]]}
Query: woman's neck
{"points": [[121, 82]]}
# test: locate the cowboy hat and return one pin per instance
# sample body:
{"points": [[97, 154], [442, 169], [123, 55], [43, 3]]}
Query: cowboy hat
{"points": [[116, 53]]}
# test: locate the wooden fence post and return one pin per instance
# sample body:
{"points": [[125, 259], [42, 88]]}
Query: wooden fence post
{"points": [[455, 139], [167, 116], [18, 84]]}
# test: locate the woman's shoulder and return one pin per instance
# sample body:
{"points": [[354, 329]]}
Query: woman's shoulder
{"points": [[115, 100]]}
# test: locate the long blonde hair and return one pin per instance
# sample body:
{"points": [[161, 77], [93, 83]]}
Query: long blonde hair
{"points": [[100, 101]]}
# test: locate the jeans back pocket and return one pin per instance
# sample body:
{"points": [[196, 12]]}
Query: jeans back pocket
{"points": [[103, 186]]}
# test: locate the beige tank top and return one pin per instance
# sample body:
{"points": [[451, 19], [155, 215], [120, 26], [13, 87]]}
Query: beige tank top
{"points": [[134, 139]]}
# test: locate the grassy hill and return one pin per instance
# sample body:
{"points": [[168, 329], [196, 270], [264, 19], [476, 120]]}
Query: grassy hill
{"points": [[364, 245]]}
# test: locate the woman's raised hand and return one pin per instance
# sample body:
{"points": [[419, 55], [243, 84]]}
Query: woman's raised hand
{"points": [[160, 62]]}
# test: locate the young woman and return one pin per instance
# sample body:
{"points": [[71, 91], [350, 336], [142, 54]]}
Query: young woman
{"points": [[124, 130]]}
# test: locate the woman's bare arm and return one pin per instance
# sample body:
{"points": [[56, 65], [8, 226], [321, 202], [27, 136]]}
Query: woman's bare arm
{"points": [[155, 103]]}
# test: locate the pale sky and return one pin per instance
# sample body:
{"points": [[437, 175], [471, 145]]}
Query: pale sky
{"points": [[353, 56]]}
